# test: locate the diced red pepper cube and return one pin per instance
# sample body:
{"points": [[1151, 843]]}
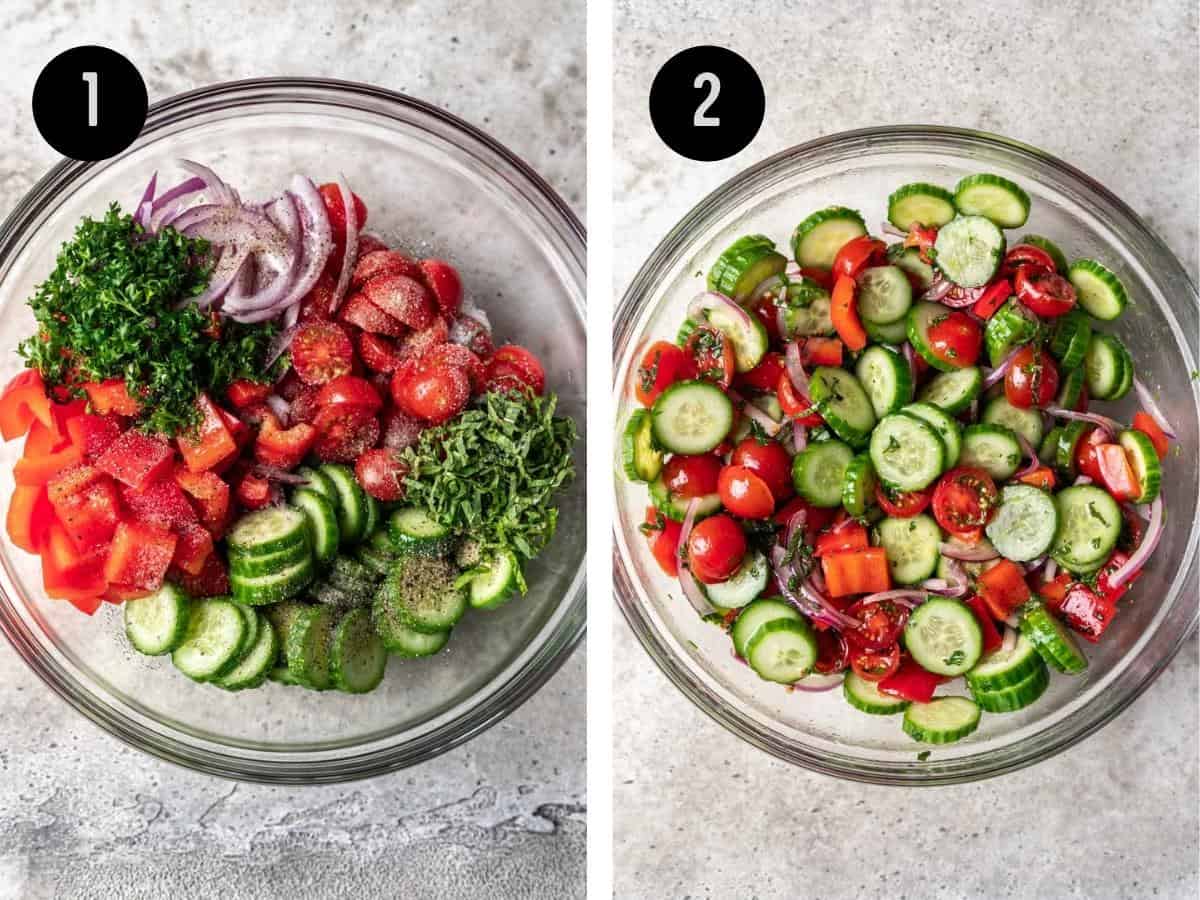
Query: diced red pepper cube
{"points": [[253, 492], [213, 580], [86, 503], [112, 397], [243, 393], [911, 682], [93, 434], [211, 443], [1087, 612], [162, 503], [140, 555], [29, 517], [209, 494], [119, 593], [136, 459], [193, 547], [23, 401], [283, 447], [68, 574], [40, 469], [1003, 588], [987, 625]]}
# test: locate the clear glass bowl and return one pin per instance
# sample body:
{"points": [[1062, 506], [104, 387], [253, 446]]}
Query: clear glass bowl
{"points": [[434, 185], [859, 169]]}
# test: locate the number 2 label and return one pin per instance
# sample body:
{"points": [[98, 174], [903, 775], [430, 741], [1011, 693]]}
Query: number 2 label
{"points": [[92, 80], [702, 119]]}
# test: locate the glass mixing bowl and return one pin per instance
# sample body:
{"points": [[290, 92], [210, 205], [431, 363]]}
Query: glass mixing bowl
{"points": [[859, 169], [436, 186]]}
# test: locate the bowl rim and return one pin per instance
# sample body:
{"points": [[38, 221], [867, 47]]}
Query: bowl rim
{"points": [[304, 767], [1063, 734]]}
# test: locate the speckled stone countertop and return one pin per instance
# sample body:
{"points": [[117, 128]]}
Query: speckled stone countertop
{"points": [[698, 813], [81, 814]]}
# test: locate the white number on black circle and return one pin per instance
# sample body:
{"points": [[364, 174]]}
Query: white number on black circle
{"points": [[93, 101], [702, 119]]}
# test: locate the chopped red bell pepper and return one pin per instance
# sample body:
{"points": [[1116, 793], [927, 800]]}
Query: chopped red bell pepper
{"points": [[137, 459], [193, 548], [86, 503], [849, 536], [911, 682], [210, 497], [139, 556], [42, 441], [1103, 586], [44, 456], [284, 448], [1087, 612], [821, 351], [253, 492], [63, 413], [162, 503], [1115, 472], [1053, 592], [112, 397], [212, 443], [843, 312], [987, 625], [213, 580], [1042, 477], [29, 517], [24, 401], [242, 433], [1147, 426], [1003, 588], [992, 298], [856, 572], [119, 593], [243, 393], [93, 434], [67, 573]]}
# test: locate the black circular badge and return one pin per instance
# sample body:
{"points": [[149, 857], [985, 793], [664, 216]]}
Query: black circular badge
{"points": [[707, 103], [89, 103]]}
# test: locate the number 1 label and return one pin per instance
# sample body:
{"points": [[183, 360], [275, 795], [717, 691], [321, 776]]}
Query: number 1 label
{"points": [[93, 100]]}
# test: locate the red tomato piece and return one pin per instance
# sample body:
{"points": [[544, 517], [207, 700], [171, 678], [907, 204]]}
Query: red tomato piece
{"points": [[1044, 292], [376, 263], [530, 367], [457, 355], [243, 393], [24, 400], [857, 254], [833, 653], [403, 298], [1116, 474], [1150, 428], [350, 390], [362, 313], [816, 518], [663, 534], [381, 473], [1031, 379], [378, 353], [821, 351], [315, 305], [882, 623], [902, 504], [765, 376], [1086, 461], [712, 355], [344, 432], [691, 476], [744, 494], [321, 351], [768, 461], [304, 406], [473, 335], [964, 500], [955, 339], [443, 282], [1027, 256], [253, 492], [662, 365], [716, 548], [434, 395], [335, 207], [416, 344], [368, 243], [795, 405], [211, 444], [400, 430], [870, 665], [136, 459]]}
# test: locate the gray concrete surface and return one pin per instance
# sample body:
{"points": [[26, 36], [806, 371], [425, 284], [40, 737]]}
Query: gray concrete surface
{"points": [[81, 815], [1110, 87]]}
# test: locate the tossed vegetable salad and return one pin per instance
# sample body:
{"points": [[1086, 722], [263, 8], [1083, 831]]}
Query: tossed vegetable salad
{"points": [[287, 449], [877, 467]]}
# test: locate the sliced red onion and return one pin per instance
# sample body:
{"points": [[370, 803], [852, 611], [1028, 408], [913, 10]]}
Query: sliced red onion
{"points": [[146, 204], [1026, 448], [938, 288], [752, 412], [1050, 571], [228, 268], [1141, 510], [1142, 554], [350, 256], [267, 302], [907, 597], [217, 190], [944, 587], [167, 203], [795, 368], [1013, 621], [1081, 480], [958, 297], [817, 577], [781, 322], [973, 409], [279, 344], [888, 228], [1000, 371], [767, 286], [795, 524], [290, 316], [1152, 409], [1112, 426], [829, 611], [273, 473], [281, 408], [318, 236], [691, 588], [1010, 640], [911, 359], [799, 437], [702, 303], [1034, 564], [817, 683], [977, 553]]}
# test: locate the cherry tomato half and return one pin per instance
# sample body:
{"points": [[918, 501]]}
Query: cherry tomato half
{"points": [[663, 534], [745, 494], [902, 504], [435, 394], [691, 476], [1086, 461], [882, 622], [963, 500], [857, 254], [768, 461], [321, 351], [1032, 378], [1046, 293], [955, 339], [711, 353], [350, 390], [381, 473], [716, 548], [765, 376], [833, 653], [1035, 259], [795, 405], [528, 365], [870, 665], [662, 365], [345, 432]]}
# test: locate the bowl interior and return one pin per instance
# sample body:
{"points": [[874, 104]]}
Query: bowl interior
{"points": [[859, 171], [431, 189]]}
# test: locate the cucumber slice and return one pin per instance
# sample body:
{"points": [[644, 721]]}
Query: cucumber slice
{"points": [[1044, 243], [641, 460], [686, 329], [499, 580], [422, 593], [1069, 436], [1099, 290], [895, 334], [999, 200], [323, 530], [886, 377], [921, 318], [753, 616], [157, 624], [675, 508], [1051, 639], [748, 336], [947, 428], [414, 532], [810, 320], [884, 295], [1143, 459], [993, 448], [1014, 697], [281, 616], [1010, 327], [258, 590], [909, 259], [319, 482], [943, 636], [1048, 451], [268, 563], [409, 643], [377, 562], [1002, 668], [1089, 526], [953, 391], [281, 675], [374, 515], [858, 490], [817, 240], [912, 547], [307, 647], [942, 721], [213, 642], [865, 696], [920, 204], [351, 505], [744, 265], [782, 650], [252, 670], [969, 250], [843, 404], [1126, 373], [352, 577], [357, 657], [743, 586], [1070, 339], [1024, 524], [1104, 366], [819, 471], [907, 453], [691, 417], [1025, 422], [268, 531]]}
